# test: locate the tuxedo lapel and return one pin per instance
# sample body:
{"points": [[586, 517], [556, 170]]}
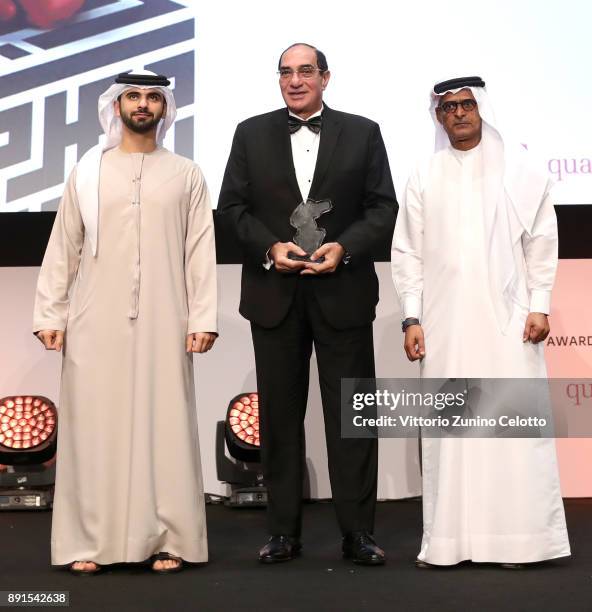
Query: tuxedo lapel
{"points": [[281, 152], [329, 137]]}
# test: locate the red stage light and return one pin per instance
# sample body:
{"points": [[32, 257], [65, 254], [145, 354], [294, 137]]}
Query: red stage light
{"points": [[18, 420], [243, 418], [240, 430], [27, 423], [28, 442], [242, 427]]}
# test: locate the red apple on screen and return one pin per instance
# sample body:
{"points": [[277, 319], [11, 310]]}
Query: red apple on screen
{"points": [[7, 10], [46, 13]]}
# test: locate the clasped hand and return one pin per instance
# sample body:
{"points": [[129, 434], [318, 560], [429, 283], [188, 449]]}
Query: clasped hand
{"points": [[536, 328], [414, 343], [52, 339], [333, 253], [200, 342]]}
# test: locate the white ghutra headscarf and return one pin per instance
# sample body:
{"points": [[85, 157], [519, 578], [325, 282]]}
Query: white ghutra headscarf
{"points": [[89, 167]]}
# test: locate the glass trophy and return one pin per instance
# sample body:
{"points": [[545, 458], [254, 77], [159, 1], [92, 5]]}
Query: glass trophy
{"points": [[309, 236]]}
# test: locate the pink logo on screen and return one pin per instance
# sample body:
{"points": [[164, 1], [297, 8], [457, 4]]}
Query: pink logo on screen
{"points": [[43, 14], [563, 167]]}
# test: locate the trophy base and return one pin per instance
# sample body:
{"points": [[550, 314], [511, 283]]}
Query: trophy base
{"points": [[295, 257]]}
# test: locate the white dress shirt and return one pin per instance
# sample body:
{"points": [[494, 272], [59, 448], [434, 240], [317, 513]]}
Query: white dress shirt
{"points": [[305, 150]]}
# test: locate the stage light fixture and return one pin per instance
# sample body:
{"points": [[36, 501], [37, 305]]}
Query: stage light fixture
{"points": [[28, 441], [240, 431]]}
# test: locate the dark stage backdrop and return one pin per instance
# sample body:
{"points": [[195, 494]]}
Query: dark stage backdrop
{"points": [[23, 237]]}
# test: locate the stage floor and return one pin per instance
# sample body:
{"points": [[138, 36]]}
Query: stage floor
{"points": [[319, 580]]}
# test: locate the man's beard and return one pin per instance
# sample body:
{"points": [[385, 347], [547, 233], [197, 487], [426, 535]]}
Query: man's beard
{"points": [[140, 127]]}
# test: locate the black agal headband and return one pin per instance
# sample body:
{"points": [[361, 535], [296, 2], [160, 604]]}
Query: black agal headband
{"points": [[471, 81], [156, 80]]}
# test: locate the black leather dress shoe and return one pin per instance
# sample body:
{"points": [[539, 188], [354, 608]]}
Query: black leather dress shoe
{"points": [[360, 547], [280, 548]]}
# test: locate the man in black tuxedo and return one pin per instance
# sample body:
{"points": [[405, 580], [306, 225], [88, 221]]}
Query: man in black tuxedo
{"points": [[278, 160]]}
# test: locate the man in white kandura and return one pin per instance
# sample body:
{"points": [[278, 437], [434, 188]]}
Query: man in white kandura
{"points": [[128, 287], [473, 260]]}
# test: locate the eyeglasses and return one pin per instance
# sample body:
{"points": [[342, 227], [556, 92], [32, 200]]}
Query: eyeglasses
{"points": [[304, 72], [468, 105]]}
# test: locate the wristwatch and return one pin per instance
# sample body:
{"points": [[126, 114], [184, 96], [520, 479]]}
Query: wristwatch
{"points": [[408, 322]]}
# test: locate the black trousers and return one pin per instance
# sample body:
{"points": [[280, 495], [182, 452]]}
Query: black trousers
{"points": [[282, 356]]}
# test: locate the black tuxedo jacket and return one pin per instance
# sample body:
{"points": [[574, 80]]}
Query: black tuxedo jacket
{"points": [[259, 193]]}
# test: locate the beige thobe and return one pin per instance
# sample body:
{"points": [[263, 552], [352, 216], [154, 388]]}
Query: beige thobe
{"points": [[485, 500], [129, 478]]}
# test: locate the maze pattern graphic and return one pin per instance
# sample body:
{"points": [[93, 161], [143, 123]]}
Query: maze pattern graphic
{"points": [[50, 81]]}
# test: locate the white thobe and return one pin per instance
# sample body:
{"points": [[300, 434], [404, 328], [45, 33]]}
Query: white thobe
{"points": [[484, 500], [129, 478]]}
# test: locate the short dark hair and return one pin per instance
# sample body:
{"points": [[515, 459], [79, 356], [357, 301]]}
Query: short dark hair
{"points": [[321, 58]]}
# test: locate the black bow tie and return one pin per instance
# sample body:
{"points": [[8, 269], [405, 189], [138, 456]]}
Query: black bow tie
{"points": [[314, 124]]}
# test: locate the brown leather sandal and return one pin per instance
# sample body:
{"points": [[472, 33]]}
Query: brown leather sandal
{"points": [[165, 556]]}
